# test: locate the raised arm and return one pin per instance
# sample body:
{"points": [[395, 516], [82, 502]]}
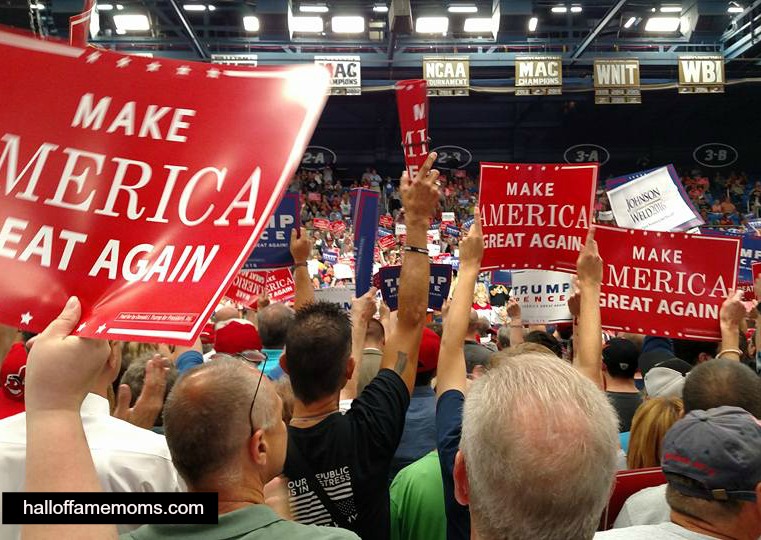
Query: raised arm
{"points": [[589, 274], [574, 306], [301, 247], [59, 372], [516, 322], [419, 197], [362, 310], [450, 374], [731, 316]]}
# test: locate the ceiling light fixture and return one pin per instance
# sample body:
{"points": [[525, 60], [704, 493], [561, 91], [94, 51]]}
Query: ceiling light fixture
{"points": [[662, 24], [532, 22], [431, 25]]}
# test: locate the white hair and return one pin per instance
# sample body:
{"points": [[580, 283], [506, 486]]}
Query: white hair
{"points": [[540, 443]]}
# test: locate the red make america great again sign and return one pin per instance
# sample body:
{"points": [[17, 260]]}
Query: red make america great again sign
{"points": [[665, 284], [138, 184], [535, 215]]}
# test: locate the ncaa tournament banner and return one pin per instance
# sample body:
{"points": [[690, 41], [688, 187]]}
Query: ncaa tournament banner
{"points": [[535, 215], [654, 200], [412, 104], [246, 287], [273, 250], [366, 204], [132, 184], [441, 280], [666, 284], [543, 295]]}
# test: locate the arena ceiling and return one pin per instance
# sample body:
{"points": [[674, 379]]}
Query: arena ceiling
{"points": [[391, 42]]}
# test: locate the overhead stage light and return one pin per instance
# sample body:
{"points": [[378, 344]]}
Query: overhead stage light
{"points": [[312, 25], [131, 22], [431, 25], [476, 25], [251, 23], [662, 24], [532, 22], [348, 25]]}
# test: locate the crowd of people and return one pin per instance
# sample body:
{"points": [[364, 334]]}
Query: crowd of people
{"points": [[311, 422]]}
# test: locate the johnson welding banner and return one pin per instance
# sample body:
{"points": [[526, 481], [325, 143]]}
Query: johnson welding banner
{"points": [[535, 215], [246, 287], [665, 284], [366, 205], [441, 279], [543, 295], [132, 184], [654, 200], [273, 250], [412, 103]]}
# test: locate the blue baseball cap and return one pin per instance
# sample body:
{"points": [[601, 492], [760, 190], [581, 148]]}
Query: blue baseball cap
{"points": [[720, 449]]}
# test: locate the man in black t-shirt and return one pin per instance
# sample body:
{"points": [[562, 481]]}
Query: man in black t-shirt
{"points": [[619, 357], [337, 465]]}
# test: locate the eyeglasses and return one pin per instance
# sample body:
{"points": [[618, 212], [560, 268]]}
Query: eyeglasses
{"points": [[261, 367]]}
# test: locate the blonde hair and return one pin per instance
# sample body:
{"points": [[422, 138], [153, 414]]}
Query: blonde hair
{"points": [[650, 423]]}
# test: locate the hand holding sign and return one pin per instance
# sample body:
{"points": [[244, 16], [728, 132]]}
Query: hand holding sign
{"points": [[514, 310], [732, 312], [420, 196], [301, 246], [589, 263], [472, 246], [61, 368], [363, 308]]}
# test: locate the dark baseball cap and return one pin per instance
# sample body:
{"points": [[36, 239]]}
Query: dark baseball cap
{"points": [[662, 358], [720, 449], [620, 354]]}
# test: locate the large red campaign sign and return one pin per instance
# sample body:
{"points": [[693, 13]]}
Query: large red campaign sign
{"points": [[321, 224], [535, 215], [665, 284], [246, 287], [131, 182], [412, 103]]}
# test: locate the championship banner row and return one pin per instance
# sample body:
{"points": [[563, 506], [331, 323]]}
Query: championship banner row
{"points": [[616, 81]]}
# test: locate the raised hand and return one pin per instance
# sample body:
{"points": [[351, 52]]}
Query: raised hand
{"points": [[589, 263], [514, 309], [472, 245], [420, 195], [301, 245], [61, 368], [148, 406], [733, 311], [363, 308]]}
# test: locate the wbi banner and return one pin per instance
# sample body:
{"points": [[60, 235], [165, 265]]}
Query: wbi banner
{"points": [[665, 284], [133, 184], [534, 215]]}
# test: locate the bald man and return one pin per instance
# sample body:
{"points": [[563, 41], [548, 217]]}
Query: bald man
{"points": [[225, 431], [226, 313]]}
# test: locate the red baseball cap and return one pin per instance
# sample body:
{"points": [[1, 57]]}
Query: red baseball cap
{"points": [[237, 335], [208, 334], [428, 354], [12, 375]]}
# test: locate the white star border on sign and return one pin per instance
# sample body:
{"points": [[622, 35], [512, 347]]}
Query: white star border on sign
{"points": [[153, 67], [123, 62], [183, 70], [100, 329], [213, 73], [26, 318], [92, 57], [81, 327]]}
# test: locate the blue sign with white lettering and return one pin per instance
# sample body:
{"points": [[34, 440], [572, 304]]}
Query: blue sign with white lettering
{"points": [[441, 280], [273, 250]]}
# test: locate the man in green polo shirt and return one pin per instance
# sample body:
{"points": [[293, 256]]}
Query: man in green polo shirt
{"points": [[217, 445], [417, 501]]}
